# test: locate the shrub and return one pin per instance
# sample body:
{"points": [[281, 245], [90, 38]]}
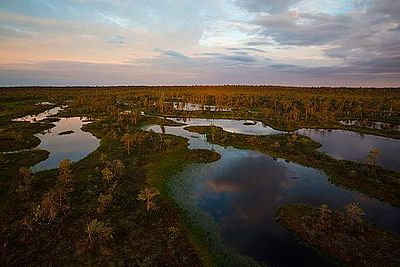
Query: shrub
{"points": [[354, 213], [24, 187], [98, 232], [104, 201], [107, 174], [64, 171], [148, 196]]}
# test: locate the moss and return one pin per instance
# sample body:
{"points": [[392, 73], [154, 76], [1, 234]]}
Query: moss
{"points": [[203, 156], [335, 236]]}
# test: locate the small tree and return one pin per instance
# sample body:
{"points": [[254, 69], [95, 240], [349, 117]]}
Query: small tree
{"points": [[107, 174], [354, 213], [98, 232], [275, 146], [324, 220], [26, 182], [104, 201], [127, 140], [118, 167], [373, 156], [103, 159], [148, 196], [47, 209], [64, 171]]}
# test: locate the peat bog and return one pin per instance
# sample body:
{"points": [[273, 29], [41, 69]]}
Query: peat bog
{"points": [[201, 175]]}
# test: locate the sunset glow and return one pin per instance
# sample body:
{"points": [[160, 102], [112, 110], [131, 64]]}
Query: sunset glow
{"points": [[286, 42]]}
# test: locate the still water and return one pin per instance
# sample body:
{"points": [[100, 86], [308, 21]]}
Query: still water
{"points": [[232, 126], [372, 124], [241, 192], [74, 146], [197, 107], [339, 144], [355, 146]]}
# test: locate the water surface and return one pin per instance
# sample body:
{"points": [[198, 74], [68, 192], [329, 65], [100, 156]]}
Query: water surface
{"points": [[198, 107], [372, 124], [74, 146], [233, 126], [340, 144], [355, 146], [241, 192]]}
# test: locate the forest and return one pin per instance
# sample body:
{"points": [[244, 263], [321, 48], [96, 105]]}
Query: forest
{"points": [[178, 175]]}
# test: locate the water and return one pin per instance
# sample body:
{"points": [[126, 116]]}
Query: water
{"points": [[372, 124], [340, 144], [40, 116], [241, 192], [74, 146], [233, 126], [356, 146], [197, 107]]}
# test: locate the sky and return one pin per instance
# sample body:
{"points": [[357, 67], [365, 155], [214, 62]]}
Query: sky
{"points": [[167, 42]]}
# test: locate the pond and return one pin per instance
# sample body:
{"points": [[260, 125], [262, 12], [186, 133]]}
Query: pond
{"points": [[236, 198], [340, 144], [40, 116], [371, 124], [233, 126], [355, 146], [198, 107], [74, 146]]}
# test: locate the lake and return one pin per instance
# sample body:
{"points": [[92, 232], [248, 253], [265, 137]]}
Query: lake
{"points": [[236, 197], [74, 146]]}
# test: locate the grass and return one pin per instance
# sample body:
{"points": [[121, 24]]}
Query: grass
{"points": [[336, 235]]}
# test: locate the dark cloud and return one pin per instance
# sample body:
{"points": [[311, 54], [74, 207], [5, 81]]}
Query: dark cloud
{"points": [[385, 7], [316, 30], [366, 39]]}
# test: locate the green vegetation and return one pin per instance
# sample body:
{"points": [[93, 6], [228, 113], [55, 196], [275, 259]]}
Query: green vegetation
{"points": [[342, 236], [203, 156]]}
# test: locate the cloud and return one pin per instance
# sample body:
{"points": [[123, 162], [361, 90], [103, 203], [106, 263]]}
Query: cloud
{"points": [[171, 53], [118, 40], [270, 6], [364, 40], [245, 48], [242, 57], [199, 70], [333, 42]]}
